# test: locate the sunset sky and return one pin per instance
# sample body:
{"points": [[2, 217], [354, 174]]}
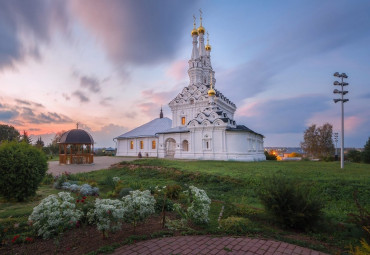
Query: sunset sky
{"points": [[110, 65]]}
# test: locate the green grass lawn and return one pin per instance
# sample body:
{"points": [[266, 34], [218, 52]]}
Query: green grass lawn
{"points": [[231, 182], [336, 185]]}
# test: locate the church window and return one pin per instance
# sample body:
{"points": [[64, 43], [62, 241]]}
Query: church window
{"points": [[131, 145], [182, 120], [207, 145], [141, 144], [185, 145], [153, 144]]}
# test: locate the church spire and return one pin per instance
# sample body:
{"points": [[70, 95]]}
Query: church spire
{"points": [[201, 32], [194, 34], [161, 114]]}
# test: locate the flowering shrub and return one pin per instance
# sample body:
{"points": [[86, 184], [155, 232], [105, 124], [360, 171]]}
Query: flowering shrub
{"points": [[54, 214], [138, 205], [107, 214], [84, 189], [116, 180], [199, 207]]}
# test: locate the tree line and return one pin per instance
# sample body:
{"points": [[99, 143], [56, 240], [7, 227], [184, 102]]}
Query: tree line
{"points": [[318, 143], [9, 133]]}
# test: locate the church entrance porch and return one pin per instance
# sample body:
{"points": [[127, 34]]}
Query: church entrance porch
{"points": [[170, 148]]}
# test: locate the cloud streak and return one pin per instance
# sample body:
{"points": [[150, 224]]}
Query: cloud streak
{"points": [[129, 30], [281, 115], [323, 32], [36, 19]]}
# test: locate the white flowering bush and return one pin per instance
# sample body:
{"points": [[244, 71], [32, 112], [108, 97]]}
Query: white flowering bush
{"points": [[116, 180], [138, 205], [54, 214], [199, 207], [107, 214]]}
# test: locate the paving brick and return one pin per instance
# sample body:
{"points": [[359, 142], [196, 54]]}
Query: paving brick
{"points": [[198, 245]]}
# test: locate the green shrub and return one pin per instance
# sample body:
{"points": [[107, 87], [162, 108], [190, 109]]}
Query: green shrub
{"points": [[159, 205], [22, 168], [270, 156], [173, 191], [48, 179], [292, 205], [354, 156], [124, 192], [234, 225], [366, 153]]}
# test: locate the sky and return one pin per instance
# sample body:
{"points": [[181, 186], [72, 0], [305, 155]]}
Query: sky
{"points": [[110, 65]]}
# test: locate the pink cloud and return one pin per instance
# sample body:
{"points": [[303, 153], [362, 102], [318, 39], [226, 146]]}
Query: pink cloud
{"points": [[178, 70], [352, 123], [248, 110]]}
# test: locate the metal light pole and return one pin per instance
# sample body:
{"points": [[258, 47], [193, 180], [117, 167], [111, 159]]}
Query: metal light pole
{"points": [[342, 100]]}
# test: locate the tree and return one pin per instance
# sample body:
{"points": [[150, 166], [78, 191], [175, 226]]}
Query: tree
{"points": [[354, 156], [25, 138], [53, 146], [318, 141], [39, 143], [366, 152], [309, 145], [8, 133]]}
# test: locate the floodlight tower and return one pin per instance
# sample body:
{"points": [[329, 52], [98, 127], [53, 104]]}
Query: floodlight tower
{"points": [[342, 100]]}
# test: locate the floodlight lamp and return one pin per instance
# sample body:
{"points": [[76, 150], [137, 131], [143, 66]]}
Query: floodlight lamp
{"points": [[336, 83], [344, 75], [337, 100], [336, 74], [336, 91], [344, 92], [345, 100], [344, 83]]}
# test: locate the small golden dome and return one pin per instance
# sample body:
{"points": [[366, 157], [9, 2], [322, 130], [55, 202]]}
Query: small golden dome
{"points": [[208, 47], [211, 92], [201, 30], [194, 32]]}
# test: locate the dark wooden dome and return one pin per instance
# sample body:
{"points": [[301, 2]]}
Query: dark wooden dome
{"points": [[76, 136]]}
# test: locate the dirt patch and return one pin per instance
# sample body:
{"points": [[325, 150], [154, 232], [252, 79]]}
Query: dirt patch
{"points": [[86, 239]]}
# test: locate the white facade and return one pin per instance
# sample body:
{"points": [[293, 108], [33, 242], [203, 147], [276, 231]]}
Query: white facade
{"points": [[203, 125]]}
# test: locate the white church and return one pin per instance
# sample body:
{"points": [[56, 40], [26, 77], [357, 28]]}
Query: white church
{"points": [[202, 125]]}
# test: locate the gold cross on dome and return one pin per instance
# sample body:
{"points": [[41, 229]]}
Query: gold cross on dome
{"points": [[77, 124], [200, 16]]}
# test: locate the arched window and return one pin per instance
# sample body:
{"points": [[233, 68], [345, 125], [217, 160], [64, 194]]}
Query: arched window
{"points": [[153, 145], [141, 144], [185, 145], [183, 120], [131, 145]]}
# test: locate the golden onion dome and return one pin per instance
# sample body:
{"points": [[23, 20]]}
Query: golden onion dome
{"points": [[201, 30], [211, 92], [194, 32], [208, 47]]}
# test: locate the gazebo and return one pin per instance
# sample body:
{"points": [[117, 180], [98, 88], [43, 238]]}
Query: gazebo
{"points": [[76, 146]]}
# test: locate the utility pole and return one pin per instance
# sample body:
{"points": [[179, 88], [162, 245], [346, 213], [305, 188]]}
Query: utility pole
{"points": [[342, 100]]}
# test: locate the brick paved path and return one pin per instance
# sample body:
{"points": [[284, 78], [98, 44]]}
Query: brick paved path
{"points": [[182, 245]]}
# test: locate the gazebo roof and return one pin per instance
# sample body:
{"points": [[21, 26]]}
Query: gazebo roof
{"points": [[76, 136]]}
